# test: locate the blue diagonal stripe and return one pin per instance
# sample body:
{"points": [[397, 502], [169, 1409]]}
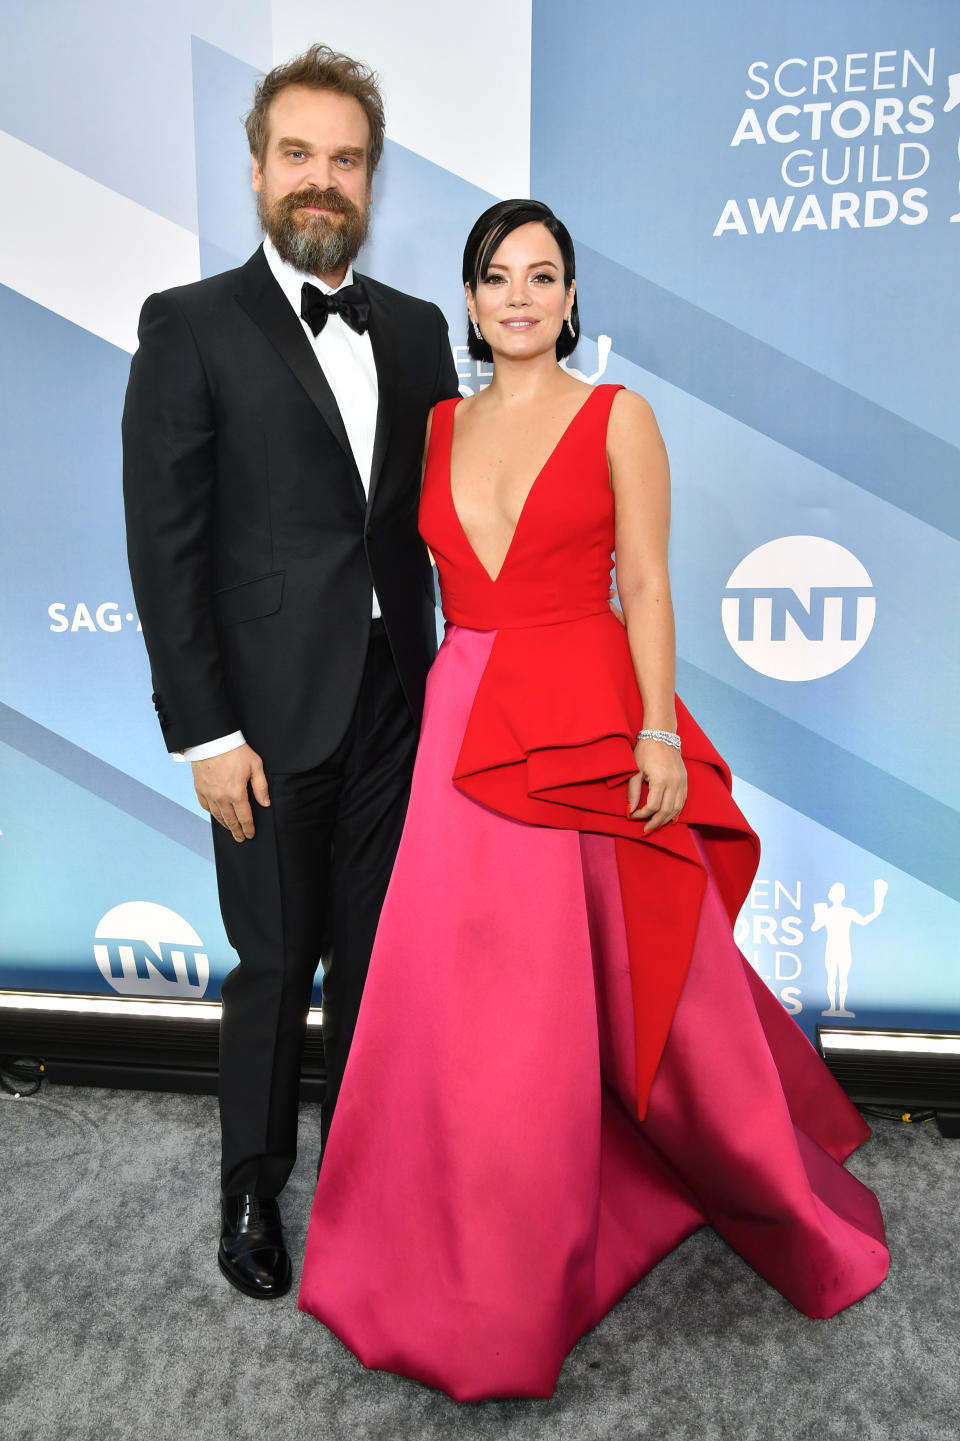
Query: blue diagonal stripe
{"points": [[106, 781], [771, 392], [857, 800]]}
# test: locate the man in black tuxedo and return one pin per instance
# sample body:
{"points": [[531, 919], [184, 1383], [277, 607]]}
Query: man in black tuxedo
{"points": [[272, 433]]}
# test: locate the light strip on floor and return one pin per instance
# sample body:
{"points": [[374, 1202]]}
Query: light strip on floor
{"points": [[79, 1005], [916, 1043]]}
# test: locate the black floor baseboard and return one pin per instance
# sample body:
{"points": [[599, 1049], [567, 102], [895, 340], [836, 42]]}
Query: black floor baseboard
{"points": [[131, 1045]]}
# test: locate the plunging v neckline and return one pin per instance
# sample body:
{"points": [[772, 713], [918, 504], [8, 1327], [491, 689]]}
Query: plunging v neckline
{"points": [[526, 500]]}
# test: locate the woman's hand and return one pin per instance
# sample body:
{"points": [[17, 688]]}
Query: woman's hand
{"points": [[661, 766]]}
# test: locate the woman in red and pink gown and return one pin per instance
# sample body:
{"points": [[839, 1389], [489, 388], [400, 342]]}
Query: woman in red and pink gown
{"points": [[563, 1066]]}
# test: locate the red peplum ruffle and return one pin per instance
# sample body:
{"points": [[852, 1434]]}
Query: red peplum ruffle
{"points": [[550, 741]]}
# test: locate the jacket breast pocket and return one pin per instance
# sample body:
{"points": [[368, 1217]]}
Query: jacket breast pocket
{"points": [[250, 600]]}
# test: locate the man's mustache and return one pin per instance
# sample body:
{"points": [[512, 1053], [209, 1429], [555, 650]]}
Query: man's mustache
{"points": [[322, 199]]}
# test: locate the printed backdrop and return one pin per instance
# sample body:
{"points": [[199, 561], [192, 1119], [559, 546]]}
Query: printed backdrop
{"points": [[765, 200]]}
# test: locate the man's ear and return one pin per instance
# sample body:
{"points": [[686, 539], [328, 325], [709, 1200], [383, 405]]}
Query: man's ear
{"points": [[256, 179]]}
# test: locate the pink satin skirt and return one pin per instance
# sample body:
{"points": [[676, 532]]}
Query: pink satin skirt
{"points": [[486, 1194]]}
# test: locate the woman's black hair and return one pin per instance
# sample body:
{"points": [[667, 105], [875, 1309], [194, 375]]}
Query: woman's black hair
{"points": [[482, 243]]}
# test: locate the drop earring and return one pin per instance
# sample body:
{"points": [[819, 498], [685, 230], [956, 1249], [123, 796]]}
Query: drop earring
{"points": [[476, 329], [570, 325]]}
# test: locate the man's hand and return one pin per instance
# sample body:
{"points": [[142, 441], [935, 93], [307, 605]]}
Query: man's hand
{"points": [[223, 784]]}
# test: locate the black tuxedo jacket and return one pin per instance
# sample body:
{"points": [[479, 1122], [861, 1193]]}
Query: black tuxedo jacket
{"points": [[252, 545]]}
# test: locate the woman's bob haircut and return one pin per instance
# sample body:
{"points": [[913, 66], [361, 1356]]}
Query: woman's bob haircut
{"points": [[482, 244]]}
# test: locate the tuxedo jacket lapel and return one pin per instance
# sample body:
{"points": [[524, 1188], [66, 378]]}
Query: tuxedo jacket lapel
{"points": [[385, 355], [265, 303]]}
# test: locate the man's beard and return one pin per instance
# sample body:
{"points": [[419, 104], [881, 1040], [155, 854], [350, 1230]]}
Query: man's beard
{"points": [[316, 244]]}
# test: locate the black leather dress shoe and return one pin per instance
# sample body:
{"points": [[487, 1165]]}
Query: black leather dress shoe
{"points": [[252, 1254]]}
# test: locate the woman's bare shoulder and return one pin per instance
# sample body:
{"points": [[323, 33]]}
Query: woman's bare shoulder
{"points": [[466, 403], [632, 409], [632, 420]]}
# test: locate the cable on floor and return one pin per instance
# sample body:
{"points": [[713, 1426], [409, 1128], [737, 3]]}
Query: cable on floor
{"points": [[21, 1075]]}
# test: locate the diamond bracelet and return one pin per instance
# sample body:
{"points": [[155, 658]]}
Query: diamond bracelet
{"points": [[669, 738]]}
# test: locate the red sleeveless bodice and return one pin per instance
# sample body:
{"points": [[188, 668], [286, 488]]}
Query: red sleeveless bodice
{"points": [[559, 561], [555, 718]]}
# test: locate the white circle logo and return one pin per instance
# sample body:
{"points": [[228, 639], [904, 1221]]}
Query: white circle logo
{"points": [[798, 608], [143, 949]]}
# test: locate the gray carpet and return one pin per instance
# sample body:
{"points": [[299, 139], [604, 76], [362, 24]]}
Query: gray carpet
{"points": [[116, 1323]]}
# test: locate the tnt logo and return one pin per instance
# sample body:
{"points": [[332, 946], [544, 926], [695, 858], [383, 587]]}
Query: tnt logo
{"points": [[143, 949], [798, 608]]}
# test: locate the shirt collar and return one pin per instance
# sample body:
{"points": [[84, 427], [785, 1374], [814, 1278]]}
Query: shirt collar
{"points": [[290, 279]]}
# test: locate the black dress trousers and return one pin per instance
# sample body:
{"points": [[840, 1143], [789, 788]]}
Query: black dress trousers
{"points": [[307, 889]]}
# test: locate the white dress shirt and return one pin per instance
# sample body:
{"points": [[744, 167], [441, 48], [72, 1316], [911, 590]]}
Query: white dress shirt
{"points": [[346, 359]]}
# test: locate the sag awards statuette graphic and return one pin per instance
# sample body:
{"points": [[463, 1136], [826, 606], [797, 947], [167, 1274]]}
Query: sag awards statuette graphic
{"points": [[831, 142], [145, 949], [837, 920], [798, 608]]}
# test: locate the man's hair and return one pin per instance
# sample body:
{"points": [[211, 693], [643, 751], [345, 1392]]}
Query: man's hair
{"points": [[322, 69]]}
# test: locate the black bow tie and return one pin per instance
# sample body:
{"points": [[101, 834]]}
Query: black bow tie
{"points": [[350, 303]]}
